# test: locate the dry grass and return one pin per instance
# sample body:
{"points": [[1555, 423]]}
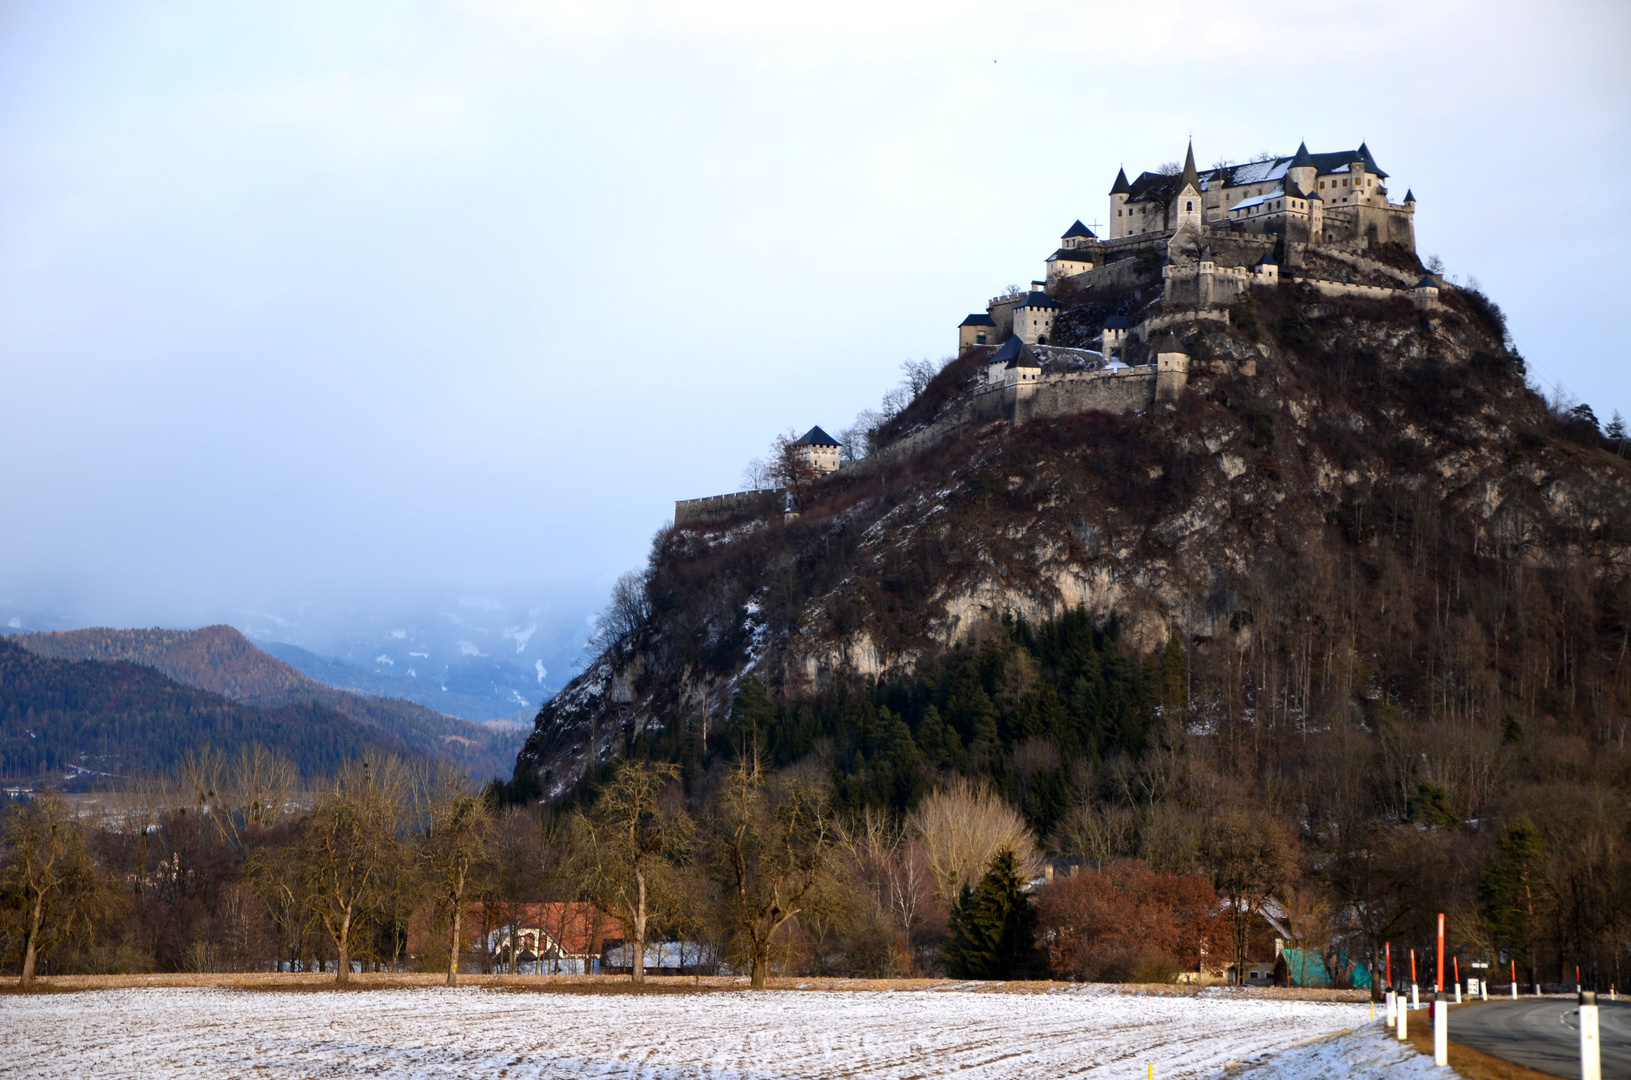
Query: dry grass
{"points": [[655, 984], [1470, 1063]]}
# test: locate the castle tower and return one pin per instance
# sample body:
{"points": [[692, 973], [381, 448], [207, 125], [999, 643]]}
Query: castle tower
{"points": [[1114, 337], [1187, 206], [1171, 369], [820, 450], [1033, 317], [978, 329], [1302, 171], [1118, 205]]}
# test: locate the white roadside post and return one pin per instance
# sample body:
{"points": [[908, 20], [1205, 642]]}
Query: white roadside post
{"points": [[1392, 1008], [1591, 1059], [1404, 1022], [1441, 1029], [1458, 993], [1415, 997]]}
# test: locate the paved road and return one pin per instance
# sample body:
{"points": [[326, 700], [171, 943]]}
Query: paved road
{"points": [[1543, 1033]]}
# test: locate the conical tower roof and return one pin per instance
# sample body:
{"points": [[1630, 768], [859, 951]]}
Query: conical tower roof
{"points": [[1303, 159], [1121, 186], [1190, 175]]}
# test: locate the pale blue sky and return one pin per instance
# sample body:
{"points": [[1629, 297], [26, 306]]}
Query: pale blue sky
{"points": [[298, 298]]}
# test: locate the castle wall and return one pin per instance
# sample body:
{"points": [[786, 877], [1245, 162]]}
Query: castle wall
{"points": [[720, 507], [1125, 390]]}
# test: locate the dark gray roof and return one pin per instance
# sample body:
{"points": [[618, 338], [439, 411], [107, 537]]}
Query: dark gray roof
{"points": [[1073, 254], [1303, 159], [1171, 345], [1426, 283], [979, 318], [1078, 229], [1409, 196], [1024, 358], [1267, 260], [1121, 187], [1037, 299], [1117, 322], [1010, 349], [1152, 187], [816, 437]]}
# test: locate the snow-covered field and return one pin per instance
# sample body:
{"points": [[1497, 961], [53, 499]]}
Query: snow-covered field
{"points": [[158, 1033]]}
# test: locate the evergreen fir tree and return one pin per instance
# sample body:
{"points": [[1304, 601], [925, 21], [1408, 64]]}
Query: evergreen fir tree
{"points": [[1512, 891], [752, 714], [992, 926]]}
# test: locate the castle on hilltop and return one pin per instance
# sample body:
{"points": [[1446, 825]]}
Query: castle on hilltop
{"points": [[1203, 241], [1213, 236]]}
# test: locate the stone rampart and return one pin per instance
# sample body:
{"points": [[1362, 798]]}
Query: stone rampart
{"points": [[1122, 390], [1160, 322], [720, 507], [1360, 262], [1343, 288]]}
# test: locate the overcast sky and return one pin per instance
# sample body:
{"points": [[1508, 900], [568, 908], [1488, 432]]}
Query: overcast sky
{"points": [[297, 298]]}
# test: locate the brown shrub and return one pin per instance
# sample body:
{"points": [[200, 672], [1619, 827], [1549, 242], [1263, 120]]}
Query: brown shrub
{"points": [[1127, 923]]}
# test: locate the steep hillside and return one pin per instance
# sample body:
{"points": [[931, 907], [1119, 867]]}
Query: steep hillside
{"points": [[220, 660], [92, 718], [1385, 518]]}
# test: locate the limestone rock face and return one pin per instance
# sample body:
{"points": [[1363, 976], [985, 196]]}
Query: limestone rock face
{"points": [[1245, 508]]}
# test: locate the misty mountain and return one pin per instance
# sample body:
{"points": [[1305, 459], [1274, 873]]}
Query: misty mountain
{"points": [[489, 656], [220, 660]]}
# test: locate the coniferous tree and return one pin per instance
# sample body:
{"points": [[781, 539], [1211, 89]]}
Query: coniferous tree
{"points": [[992, 926], [1512, 891]]}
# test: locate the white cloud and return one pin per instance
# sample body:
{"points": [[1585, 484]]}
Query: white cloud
{"points": [[542, 671]]}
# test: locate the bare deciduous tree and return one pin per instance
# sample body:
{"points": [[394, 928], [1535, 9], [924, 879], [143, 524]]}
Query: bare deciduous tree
{"points": [[628, 845], [458, 835], [48, 879], [773, 842], [348, 854], [962, 829], [1250, 857], [627, 611]]}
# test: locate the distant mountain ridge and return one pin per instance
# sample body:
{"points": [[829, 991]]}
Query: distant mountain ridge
{"points": [[344, 675], [220, 660], [64, 720]]}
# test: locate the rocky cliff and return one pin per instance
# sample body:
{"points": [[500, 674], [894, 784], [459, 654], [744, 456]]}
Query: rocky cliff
{"points": [[1385, 512]]}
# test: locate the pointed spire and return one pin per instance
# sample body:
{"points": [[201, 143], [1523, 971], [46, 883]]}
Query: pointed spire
{"points": [[1409, 196], [1190, 176], [1303, 160], [1121, 186]]}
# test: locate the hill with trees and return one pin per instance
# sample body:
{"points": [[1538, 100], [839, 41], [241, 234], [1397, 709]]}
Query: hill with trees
{"points": [[103, 722], [220, 660], [1350, 631]]}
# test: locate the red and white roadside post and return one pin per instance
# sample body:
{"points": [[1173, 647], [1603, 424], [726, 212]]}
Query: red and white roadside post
{"points": [[1591, 1052], [1514, 980], [1441, 1012], [1415, 993]]}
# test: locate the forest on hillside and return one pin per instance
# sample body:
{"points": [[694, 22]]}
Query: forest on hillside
{"points": [[1369, 608], [112, 722]]}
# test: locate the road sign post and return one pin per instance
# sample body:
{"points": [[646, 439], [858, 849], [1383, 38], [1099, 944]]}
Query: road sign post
{"points": [[1441, 1030], [1591, 1053]]}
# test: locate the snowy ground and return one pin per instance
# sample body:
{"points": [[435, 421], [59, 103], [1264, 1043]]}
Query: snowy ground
{"points": [[161, 1033]]}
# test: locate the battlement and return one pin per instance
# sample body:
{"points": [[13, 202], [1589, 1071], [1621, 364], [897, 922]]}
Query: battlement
{"points": [[723, 507]]}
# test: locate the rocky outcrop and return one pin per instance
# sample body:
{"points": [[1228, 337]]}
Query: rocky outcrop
{"points": [[1230, 517]]}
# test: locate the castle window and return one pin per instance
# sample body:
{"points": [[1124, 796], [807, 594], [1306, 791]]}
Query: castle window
{"points": [[1188, 206]]}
